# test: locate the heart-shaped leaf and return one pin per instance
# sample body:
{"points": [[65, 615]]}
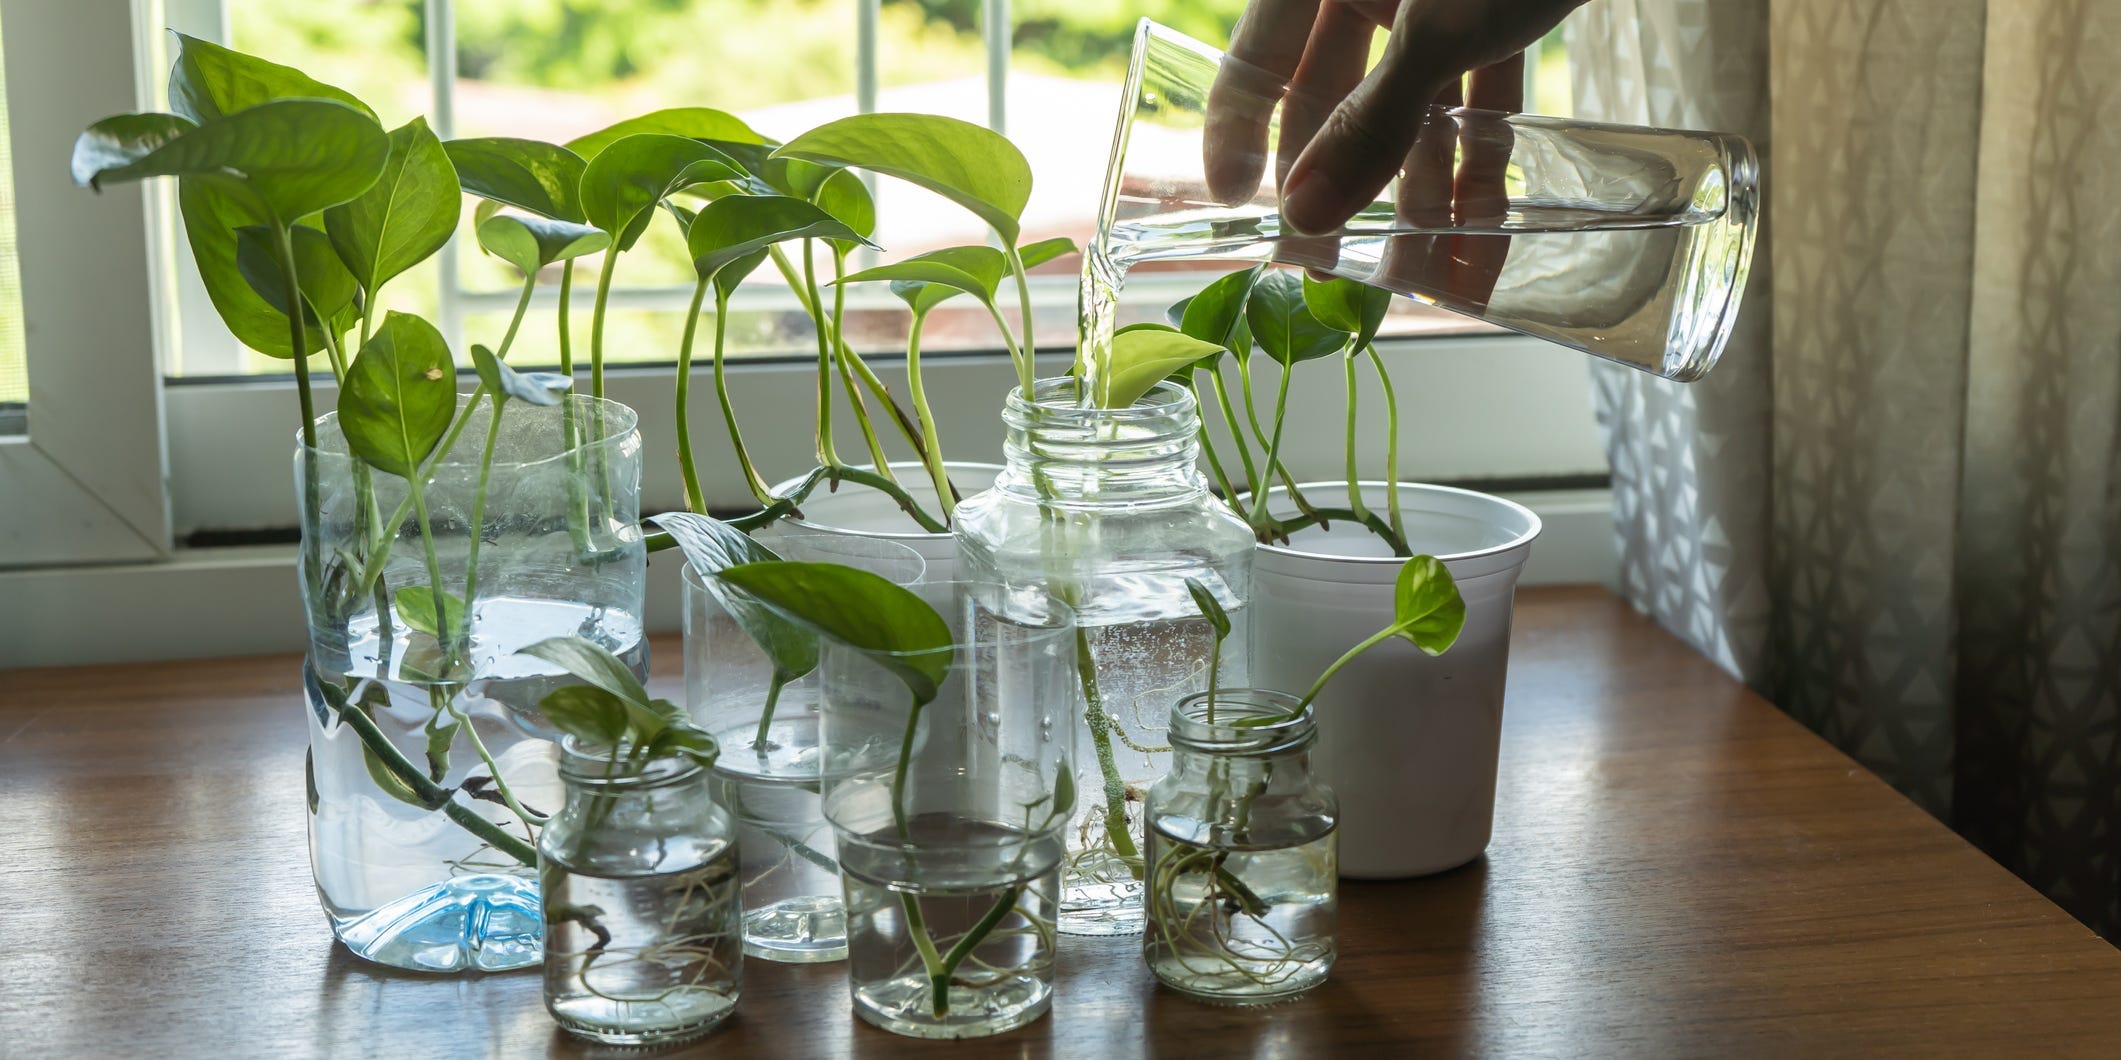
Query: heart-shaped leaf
{"points": [[843, 195], [928, 280], [532, 175], [1218, 310], [1142, 356], [1210, 608], [399, 396], [1427, 610], [777, 176], [290, 157], [592, 663], [1046, 250], [622, 184], [736, 226], [416, 608], [1283, 326], [587, 713], [327, 287], [973, 166], [208, 82], [121, 140], [1348, 306], [212, 219], [405, 216], [713, 546], [696, 123], [531, 243], [891, 625], [503, 382]]}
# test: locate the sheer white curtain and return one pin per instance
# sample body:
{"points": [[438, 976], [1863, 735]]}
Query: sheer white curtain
{"points": [[1896, 506]]}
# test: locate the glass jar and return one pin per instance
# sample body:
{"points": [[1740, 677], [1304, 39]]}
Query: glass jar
{"points": [[770, 775], [949, 813], [1107, 508], [429, 764], [643, 923], [1243, 878]]}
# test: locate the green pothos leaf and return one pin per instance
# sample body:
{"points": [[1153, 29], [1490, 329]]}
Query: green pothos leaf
{"points": [[1428, 611], [891, 625], [1210, 608]]}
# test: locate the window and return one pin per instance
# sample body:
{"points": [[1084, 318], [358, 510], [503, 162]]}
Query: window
{"points": [[14, 362]]}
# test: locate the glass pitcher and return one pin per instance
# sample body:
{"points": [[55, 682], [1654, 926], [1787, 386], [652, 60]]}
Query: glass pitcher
{"points": [[1628, 243]]}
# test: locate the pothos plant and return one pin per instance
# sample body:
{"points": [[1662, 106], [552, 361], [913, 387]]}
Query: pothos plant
{"points": [[902, 634]]}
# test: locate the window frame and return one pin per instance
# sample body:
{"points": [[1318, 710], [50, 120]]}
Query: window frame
{"points": [[85, 484]]}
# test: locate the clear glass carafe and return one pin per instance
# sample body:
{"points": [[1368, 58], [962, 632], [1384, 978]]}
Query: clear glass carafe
{"points": [[1106, 508], [644, 926], [1243, 887], [1624, 242]]}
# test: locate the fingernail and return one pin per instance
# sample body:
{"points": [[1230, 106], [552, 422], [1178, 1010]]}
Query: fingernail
{"points": [[1307, 199]]}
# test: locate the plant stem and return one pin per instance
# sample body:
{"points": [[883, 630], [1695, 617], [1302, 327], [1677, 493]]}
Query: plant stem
{"points": [[418, 490], [773, 696], [862, 370], [1354, 480], [1273, 458], [1207, 443], [825, 453], [596, 322], [905, 500], [1237, 434], [970, 941], [312, 504], [1278, 529], [577, 492], [1116, 830], [721, 396], [854, 393], [1026, 371], [431, 794], [1320, 684], [1215, 650], [1384, 380], [478, 519], [695, 500], [936, 474]]}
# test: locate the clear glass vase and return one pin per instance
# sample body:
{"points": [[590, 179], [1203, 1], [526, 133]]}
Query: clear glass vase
{"points": [[644, 939], [430, 768], [949, 815], [1107, 509], [1243, 882], [771, 772]]}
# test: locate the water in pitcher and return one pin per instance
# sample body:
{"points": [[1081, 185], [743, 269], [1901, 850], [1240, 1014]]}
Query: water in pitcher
{"points": [[1628, 243]]}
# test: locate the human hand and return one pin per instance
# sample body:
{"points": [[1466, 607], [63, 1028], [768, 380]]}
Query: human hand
{"points": [[1344, 134]]}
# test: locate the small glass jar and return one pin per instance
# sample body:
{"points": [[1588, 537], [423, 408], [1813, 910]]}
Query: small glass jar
{"points": [[644, 931], [1108, 510], [1243, 885]]}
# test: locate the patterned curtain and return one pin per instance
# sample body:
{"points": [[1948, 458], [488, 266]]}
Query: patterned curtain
{"points": [[1895, 508]]}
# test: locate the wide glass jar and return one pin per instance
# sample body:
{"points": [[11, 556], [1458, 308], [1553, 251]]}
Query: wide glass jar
{"points": [[430, 767], [1243, 881], [644, 930], [1108, 510]]}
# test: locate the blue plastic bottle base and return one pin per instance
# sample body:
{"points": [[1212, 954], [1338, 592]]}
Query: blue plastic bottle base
{"points": [[488, 923]]}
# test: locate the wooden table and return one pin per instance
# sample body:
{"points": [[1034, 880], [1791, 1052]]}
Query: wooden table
{"points": [[1677, 869]]}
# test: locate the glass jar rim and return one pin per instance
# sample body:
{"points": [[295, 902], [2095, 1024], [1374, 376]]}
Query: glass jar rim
{"points": [[1250, 721], [583, 762], [621, 422], [1053, 403]]}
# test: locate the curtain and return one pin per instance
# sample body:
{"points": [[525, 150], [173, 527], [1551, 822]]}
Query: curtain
{"points": [[1895, 507]]}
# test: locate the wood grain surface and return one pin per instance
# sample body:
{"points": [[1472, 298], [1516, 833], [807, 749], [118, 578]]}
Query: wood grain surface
{"points": [[1678, 869]]}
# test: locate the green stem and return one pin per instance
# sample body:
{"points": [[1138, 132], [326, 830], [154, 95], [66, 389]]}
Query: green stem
{"points": [[773, 696], [854, 393], [1384, 380], [936, 474], [596, 322], [825, 453], [862, 370], [1319, 685], [695, 500], [431, 794], [1215, 650], [1280, 529], [1273, 458], [434, 571], [970, 941], [1207, 443], [478, 521], [906, 503], [1026, 371], [721, 396], [570, 431], [312, 503], [1237, 434], [336, 355], [1354, 479], [1116, 830]]}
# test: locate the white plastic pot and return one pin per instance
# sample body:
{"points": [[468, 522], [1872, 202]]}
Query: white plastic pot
{"points": [[1408, 741], [858, 511]]}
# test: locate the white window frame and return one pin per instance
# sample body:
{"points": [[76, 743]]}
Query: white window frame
{"points": [[85, 484], [1498, 409]]}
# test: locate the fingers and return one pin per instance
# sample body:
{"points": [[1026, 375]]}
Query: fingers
{"points": [[1265, 48], [1481, 194], [1332, 65], [1359, 147]]}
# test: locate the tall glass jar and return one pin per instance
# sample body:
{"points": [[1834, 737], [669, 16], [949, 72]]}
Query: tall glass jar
{"points": [[1108, 510], [644, 933], [429, 764], [1243, 881]]}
